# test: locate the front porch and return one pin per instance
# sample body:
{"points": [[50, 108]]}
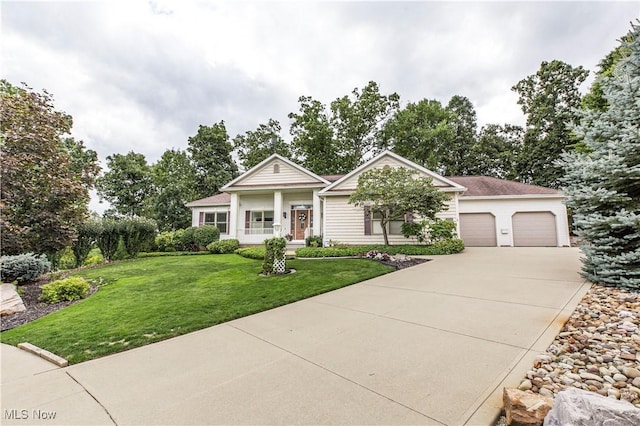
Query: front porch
{"points": [[258, 215]]}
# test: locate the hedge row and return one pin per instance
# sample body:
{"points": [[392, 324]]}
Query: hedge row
{"points": [[441, 247]]}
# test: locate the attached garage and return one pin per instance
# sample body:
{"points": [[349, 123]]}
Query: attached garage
{"points": [[497, 212], [478, 229], [534, 229]]}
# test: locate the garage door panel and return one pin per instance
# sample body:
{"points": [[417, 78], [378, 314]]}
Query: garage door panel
{"points": [[478, 229], [534, 229]]}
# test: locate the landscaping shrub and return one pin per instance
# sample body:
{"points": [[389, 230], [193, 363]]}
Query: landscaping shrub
{"points": [[252, 252], [137, 234], [205, 235], [451, 246], [313, 241], [275, 248], [187, 240], [166, 241], [442, 229], [72, 288], [93, 260], [66, 260], [121, 251], [88, 234], [23, 267], [109, 238], [224, 246]]}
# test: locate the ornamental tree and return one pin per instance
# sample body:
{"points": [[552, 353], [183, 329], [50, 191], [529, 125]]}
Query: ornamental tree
{"points": [[45, 179], [603, 182], [392, 192]]}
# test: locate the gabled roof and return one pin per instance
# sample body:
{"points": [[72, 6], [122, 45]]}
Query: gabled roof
{"points": [[445, 184], [310, 178], [485, 186], [215, 200]]}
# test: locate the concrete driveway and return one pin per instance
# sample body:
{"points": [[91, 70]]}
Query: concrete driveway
{"points": [[432, 344]]}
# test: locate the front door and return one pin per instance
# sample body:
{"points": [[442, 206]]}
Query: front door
{"points": [[301, 219]]}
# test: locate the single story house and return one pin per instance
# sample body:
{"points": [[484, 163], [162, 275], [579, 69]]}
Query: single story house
{"points": [[280, 196]]}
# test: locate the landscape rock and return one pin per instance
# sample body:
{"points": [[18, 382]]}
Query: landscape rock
{"points": [[525, 408], [10, 300], [578, 407]]}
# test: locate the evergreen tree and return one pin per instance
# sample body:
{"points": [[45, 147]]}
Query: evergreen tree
{"points": [[603, 184]]}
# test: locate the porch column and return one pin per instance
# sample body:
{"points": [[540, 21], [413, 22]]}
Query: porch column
{"points": [[277, 209], [234, 211], [317, 214]]}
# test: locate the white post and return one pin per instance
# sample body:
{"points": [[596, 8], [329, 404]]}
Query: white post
{"points": [[277, 206], [317, 214], [234, 211]]}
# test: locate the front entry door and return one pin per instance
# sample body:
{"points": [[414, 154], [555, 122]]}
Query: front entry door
{"points": [[301, 219]]}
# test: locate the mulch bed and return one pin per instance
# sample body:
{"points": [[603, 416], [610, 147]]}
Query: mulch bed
{"points": [[30, 294], [402, 264]]}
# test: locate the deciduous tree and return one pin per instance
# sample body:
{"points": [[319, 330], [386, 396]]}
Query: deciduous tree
{"points": [[128, 184], [393, 192], [496, 150], [419, 132], [357, 122], [174, 178], [44, 192], [456, 157], [313, 142], [257, 145], [549, 98], [210, 151]]}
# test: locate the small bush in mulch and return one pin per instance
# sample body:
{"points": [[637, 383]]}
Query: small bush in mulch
{"points": [[36, 308]]}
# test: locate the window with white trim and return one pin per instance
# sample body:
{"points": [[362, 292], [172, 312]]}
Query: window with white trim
{"points": [[262, 219], [394, 227], [218, 219]]}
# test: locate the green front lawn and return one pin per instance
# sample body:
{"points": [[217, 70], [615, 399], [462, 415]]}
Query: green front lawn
{"points": [[153, 299]]}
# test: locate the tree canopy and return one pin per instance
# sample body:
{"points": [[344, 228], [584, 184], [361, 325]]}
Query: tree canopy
{"points": [[210, 151], [45, 178], [257, 145], [392, 192], [128, 184], [550, 99]]}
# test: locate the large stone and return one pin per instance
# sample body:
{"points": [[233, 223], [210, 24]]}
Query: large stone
{"points": [[525, 408], [578, 407], [10, 300]]}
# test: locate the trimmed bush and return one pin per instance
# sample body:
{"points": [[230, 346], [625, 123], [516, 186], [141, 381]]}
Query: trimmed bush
{"points": [[166, 241], [252, 252], [205, 235], [67, 259], [224, 246], [138, 234], [72, 288], [442, 229], [109, 238], [275, 249], [186, 239], [451, 246], [23, 267], [88, 234], [313, 241]]}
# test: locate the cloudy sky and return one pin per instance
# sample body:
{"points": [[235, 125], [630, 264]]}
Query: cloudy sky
{"points": [[142, 75]]}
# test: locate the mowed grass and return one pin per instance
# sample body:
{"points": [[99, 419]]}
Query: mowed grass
{"points": [[152, 299]]}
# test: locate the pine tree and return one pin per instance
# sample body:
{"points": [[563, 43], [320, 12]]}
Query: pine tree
{"points": [[603, 185]]}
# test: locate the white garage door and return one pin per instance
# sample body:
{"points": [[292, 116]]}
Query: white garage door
{"points": [[478, 229], [534, 229]]}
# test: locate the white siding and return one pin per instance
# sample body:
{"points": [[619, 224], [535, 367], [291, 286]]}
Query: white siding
{"points": [[352, 182], [266, 175], [504, 209], [345, 223]]}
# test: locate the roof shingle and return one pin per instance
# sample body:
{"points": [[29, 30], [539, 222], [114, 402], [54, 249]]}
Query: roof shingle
{"points": [[490, 186]]}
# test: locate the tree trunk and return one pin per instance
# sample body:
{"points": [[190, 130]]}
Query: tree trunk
{"points": [[383, 224]]}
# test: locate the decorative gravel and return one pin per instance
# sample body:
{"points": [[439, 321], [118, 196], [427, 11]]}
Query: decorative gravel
{"points": [[597, 350]]}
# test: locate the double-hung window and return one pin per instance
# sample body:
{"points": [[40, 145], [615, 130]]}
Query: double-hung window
{"points": [[217, 219], [259, 222]]}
